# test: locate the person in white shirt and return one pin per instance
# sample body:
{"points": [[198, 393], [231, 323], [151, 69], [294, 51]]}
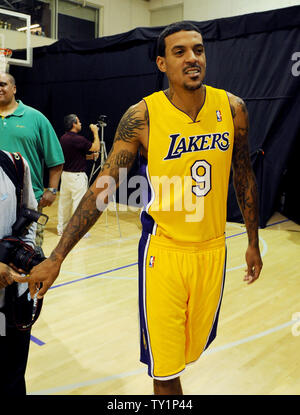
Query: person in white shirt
{"points": [[15, 347]]}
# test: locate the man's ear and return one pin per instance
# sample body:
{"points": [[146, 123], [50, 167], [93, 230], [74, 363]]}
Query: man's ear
{"points": [[161, 63]]}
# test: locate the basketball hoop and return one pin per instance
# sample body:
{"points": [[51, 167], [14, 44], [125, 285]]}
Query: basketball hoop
{"points": [[5, 54]]}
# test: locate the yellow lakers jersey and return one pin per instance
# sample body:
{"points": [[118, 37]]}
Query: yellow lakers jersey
{"points": [[188, 168]]}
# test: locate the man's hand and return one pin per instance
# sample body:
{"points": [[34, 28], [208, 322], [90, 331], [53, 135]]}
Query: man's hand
{"points": [[95, 155], [46, 273], [94, 128], [6, 275], [47, 199], [254, 264]]}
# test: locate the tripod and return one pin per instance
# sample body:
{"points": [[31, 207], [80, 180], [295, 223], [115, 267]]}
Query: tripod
{"points": [[103, 157]]}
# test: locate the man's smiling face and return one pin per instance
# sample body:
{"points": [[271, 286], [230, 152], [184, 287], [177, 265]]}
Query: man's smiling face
{"points": [[184, 62]]}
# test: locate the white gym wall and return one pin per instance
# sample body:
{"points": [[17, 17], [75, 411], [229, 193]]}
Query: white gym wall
{"points": [[163, 11], [118, 16]]}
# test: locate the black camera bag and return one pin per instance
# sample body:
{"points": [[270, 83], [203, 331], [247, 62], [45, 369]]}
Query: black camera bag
{"points": [[20, 311]]}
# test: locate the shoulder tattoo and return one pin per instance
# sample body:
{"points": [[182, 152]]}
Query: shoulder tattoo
{"points": [[131, 123]]}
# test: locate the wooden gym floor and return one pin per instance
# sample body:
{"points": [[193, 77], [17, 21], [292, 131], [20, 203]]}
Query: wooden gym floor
{"points": [[86, 340]]}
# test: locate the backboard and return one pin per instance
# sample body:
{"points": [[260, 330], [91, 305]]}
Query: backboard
{"points": [[15, 34]]}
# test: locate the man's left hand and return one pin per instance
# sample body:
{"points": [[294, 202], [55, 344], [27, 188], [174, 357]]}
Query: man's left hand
{"points": [[254, 265], [47, 199]]}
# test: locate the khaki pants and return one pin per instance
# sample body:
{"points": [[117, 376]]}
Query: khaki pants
{"points": [[73, 187]]}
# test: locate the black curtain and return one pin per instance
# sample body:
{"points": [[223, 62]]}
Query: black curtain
{"points": [[249, 55]]}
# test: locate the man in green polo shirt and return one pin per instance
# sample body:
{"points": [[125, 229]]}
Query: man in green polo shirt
{"points": [[28, 131]]}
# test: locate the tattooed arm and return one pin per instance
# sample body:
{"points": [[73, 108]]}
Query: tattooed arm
{"points": [[245, 185], [130, 136]]}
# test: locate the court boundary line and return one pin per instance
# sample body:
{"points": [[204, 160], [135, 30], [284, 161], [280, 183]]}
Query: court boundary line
{"points": [[41, 343], [144, 369], [136, 263]]}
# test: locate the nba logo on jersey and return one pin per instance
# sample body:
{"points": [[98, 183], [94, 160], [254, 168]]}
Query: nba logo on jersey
{"points": [[151, 262], [219, 115]]}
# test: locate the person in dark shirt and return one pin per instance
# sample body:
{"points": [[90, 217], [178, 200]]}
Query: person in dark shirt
{"points": [[74, 181]]}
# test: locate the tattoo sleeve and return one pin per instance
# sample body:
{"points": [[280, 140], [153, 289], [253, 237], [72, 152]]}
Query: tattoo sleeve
{"points": [[130, 125], [121, 156], [84, 217], [243, 176]]}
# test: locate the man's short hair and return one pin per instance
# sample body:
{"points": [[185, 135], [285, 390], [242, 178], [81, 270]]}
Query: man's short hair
{"points": [[11, 79], [169, 30], [69, 120]]}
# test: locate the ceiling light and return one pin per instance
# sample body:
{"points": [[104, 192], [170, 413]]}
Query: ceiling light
{"points": [[33, 26]]}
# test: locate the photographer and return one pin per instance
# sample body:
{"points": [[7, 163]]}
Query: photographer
{"points": [[14, 346], [74, 181]]}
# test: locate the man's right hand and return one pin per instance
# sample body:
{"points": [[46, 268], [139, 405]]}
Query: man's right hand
{"points": [[94, 127], [46, 273]]}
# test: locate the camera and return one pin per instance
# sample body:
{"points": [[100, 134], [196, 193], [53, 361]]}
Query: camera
{"points": [[20, 310], [102, 121], [14, 250]]}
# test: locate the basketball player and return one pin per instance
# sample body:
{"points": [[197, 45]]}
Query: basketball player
{"points": [[190, 131]]}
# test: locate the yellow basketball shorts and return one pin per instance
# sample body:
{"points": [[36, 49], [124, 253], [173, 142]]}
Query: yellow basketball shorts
{"points": [[180, 294]]}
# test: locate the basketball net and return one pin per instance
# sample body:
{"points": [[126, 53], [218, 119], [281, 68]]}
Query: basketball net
{"points": [[5, 54]]}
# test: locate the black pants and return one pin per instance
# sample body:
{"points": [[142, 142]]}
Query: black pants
{"points": [[14, 348]]}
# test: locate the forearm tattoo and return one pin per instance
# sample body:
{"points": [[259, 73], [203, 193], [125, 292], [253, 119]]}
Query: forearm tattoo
{"points": [[244, 179], [122, 159], [83, 219]]}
